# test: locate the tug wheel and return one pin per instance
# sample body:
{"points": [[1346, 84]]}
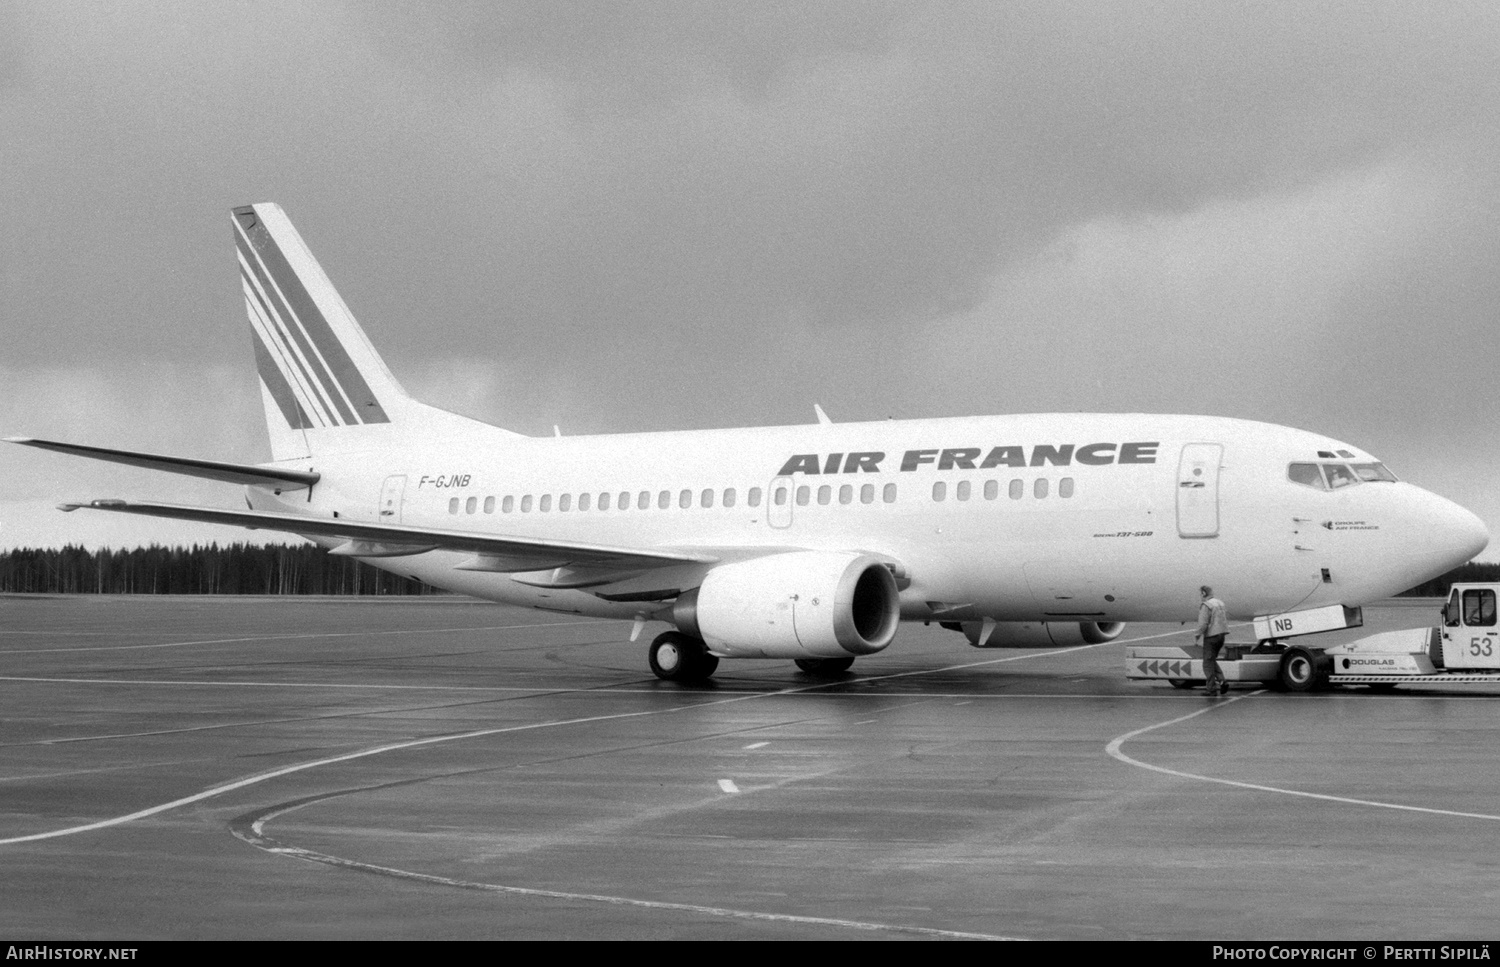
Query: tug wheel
{"points": [[1304, 670]]}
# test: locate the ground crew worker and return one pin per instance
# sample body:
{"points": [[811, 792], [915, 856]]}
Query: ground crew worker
{"points": [[1212, 627]]}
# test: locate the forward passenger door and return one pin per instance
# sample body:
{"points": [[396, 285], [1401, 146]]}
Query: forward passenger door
{"points": [[1198, 490]]}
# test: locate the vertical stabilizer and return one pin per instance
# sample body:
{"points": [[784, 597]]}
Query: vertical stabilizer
{"points": [[321, 379]]}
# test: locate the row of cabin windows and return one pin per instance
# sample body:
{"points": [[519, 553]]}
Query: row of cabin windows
{"points": [[803, 496], [663, 500], [1017, 490]]}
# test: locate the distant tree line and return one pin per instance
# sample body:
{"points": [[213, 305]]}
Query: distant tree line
{"points": [[296, 569], [1438, 586], [211, 569]]}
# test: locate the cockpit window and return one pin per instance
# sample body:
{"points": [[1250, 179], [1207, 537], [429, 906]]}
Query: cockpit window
{"points": [[1339, 475], [1479, 608], [1374, 471], [1306, 474], [1336, 476]]}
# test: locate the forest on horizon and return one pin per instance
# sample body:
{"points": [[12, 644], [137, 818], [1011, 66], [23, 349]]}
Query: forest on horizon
{"points": [[296, 569], [201, 569]]}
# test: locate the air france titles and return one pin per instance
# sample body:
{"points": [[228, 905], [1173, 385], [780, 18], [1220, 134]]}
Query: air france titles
{"points": [[975, 458]]}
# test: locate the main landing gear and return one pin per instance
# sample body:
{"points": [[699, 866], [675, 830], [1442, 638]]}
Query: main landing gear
{"points": [[676, 657]]}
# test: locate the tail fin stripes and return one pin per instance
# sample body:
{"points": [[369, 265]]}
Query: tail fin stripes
{"points": [[275, 381], [301, 335]]}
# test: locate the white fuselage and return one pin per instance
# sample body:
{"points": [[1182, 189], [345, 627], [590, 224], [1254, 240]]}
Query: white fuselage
{"points": [[1108, 517]]}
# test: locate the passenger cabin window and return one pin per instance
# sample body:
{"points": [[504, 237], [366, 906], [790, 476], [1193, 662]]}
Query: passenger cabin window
{"points": [[453, 505], [802, 495], [962, 492], [889, 494], [754, 500], [1017, 489], [939, 491], [867, 494], [507, 505], [565, 503], [707, 498], [779, 498], [471, 505], [643, 500], [991, 489], [583, 501], [685, 499], [489, 505], [1065, 487], [1040, 487], [1479, 608], [546, 503], [825, 494], [729, 497], [846, 494], [526, 504], [664, 500]]}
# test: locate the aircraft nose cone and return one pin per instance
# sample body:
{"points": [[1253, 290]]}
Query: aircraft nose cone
{"points": [[1460, 533], [1473, 535]]}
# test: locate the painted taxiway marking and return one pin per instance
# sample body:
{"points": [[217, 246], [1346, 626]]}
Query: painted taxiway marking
{"points": [[255, 836], [1113, 748], [728, 785], [757, 745]]}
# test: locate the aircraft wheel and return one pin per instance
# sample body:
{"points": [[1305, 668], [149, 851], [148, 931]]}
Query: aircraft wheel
{"points": [[1304, 670], [676, 657], [825, 666], [1180, 683]]}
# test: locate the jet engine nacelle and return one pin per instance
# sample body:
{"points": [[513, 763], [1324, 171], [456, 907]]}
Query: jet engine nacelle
{"points": [[1043, 634], [803, 604]]}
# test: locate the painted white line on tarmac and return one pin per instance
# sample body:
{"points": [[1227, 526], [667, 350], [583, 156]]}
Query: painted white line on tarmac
{"points": [[296, 852], [757, 745], [728, 785], [1114, 749]]}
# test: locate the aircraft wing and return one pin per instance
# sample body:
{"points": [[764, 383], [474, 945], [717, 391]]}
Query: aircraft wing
{"points": [[364, 539], [238, 473]]}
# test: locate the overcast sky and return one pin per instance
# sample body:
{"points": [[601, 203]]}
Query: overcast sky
{"points": [[636, 216]]}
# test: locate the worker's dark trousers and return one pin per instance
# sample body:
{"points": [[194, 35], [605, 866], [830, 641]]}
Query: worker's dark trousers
{"points": [[1211, 646]]}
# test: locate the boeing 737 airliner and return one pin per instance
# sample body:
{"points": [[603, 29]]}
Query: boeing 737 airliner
{"points": [[809, 542]]}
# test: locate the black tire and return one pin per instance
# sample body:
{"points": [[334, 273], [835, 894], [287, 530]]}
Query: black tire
{"points": [[1181, 683], [676, 657], [825, 666], [1305, 670], [1381, 686]]}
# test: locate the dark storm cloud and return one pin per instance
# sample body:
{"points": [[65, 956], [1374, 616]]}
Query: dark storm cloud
{"points": [[642, 215]]}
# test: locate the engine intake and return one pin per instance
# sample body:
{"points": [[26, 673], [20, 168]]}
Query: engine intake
{"points": [[802, 604]]}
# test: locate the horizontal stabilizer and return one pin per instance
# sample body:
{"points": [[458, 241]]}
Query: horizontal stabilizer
{"points": [[527, 553], [236, 473]]}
